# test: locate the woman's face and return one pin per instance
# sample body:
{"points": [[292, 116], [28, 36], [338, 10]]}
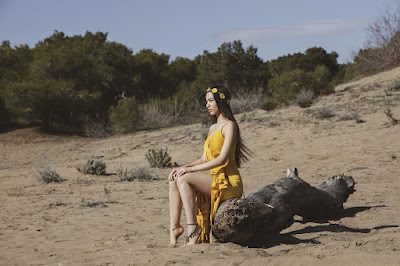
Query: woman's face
{"points": [[211, 104]]}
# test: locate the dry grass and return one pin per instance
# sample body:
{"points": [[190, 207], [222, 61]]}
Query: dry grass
{"points": [[131, 174], [323, 113], [49, 174]]}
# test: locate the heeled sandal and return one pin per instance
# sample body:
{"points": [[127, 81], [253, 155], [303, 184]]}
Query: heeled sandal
{"points": [[196, 233]]}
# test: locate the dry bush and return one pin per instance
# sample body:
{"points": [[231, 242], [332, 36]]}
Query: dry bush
{"points": [[395, 86], [351, 115], [165, 113], [158, 158], [156, 116], [247, 117], [323, 113], [244, 100], [140, 173], [382, 49], [346, 117], [93, 166], [96, 128], [48, 174], [305, 98], [389, 115]]}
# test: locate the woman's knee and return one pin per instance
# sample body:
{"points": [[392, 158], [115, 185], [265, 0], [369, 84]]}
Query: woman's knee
{"points": [[173, 184], [183, 180]]}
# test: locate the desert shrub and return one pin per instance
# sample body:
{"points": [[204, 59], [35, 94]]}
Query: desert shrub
{"points": [[95, 127], [140, 173], [395, 86], [323, 113], [158, 158], [305, 98], [346, 117], [159, 113], [247, 100], [354, 115], [48, 174], [270, 104], [389, 115], [248, 117], [125, 116], [285, 87], [93, 166]]}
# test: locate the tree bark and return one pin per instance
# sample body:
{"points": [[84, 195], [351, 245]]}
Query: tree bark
{"points": [[271, 209]]}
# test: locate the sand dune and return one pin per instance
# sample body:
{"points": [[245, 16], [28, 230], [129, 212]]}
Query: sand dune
{"points": [[132, 226]]}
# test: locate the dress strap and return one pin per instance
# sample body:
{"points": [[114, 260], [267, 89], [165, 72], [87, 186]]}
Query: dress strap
{"points": [[223, 126]]}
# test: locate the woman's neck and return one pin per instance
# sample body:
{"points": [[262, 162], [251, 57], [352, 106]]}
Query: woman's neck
{"points": [[221, 119]]}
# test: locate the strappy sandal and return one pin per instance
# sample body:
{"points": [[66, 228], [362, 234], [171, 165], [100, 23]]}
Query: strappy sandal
{"points": [[195, 234]]}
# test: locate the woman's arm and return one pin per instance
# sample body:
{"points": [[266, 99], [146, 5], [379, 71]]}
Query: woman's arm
{"points": [[229, 132], [174, 171]]}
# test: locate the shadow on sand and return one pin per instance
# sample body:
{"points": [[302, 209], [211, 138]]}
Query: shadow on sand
{"points": [[289, 238]]}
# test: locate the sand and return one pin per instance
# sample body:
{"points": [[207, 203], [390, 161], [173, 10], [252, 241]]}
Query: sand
{"points": [[131, 226]]}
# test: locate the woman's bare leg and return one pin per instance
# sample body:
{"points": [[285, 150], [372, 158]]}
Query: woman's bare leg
{"points": [[188, 184], [175, 209]]}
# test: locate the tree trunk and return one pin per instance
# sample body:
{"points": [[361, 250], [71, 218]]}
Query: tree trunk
{"points": [[271, 209]]}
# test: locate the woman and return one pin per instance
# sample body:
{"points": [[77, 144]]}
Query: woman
{"points": [[200, 193]]}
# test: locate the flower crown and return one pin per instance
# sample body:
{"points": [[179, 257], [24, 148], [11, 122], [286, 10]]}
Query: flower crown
{"points": [[220, 94]]}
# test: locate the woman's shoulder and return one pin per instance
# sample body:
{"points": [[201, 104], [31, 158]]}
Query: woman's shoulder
{"points": [[229, 125]]}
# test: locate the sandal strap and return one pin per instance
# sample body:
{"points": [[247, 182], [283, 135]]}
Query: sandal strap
{"points": [[196, 232]]}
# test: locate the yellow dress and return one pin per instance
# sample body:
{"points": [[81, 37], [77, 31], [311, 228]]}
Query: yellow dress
{"points": [[226, 184]]}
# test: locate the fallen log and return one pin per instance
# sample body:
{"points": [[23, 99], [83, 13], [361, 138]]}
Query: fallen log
{"points": [[271, 209]]}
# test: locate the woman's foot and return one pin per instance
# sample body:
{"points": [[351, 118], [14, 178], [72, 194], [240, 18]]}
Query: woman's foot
{"points": [[194, 235], [175, 233]]}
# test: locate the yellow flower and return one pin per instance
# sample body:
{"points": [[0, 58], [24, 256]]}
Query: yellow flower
{"points": [[228, 101], [222, 96], [208, 89], [214, 90]]}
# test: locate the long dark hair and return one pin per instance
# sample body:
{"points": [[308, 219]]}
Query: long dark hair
{"points": [[222, 97]]}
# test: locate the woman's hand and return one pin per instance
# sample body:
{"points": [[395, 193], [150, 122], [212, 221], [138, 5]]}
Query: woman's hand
{"points": [[177, 172], [172, 174]]}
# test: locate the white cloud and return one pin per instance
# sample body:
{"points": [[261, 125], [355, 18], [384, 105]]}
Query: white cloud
{"points": [[314, 29]]}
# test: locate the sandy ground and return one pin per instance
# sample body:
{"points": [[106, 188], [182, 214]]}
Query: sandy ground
{"points": [[132, 228]]}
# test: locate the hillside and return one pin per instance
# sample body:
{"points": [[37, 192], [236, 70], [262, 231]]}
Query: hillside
{"points": [[132, 228]]}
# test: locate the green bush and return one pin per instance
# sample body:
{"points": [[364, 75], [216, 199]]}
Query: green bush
{"points": [[286, 87], [124, 117], [270, 104]]}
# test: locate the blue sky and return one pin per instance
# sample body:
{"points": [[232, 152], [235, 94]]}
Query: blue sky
{"points": [[186, 28]]}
